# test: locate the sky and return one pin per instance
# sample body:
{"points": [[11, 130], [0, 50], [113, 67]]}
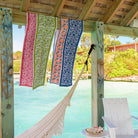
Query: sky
{"points": [[19, 34]]}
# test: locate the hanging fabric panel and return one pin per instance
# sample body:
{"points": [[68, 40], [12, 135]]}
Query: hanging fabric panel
{"points": [[45, 30], [57, 54], [55, 40], [75, 28], [26, 75], [54, 44]]}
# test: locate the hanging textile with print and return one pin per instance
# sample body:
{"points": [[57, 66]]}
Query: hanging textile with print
{"points": [[57, 54], [45, 30], [75, 28], [26, 75]]}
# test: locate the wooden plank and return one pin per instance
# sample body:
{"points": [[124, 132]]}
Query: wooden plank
{"points": [[120, 30], [100, 9], [87, 9], [116, 18], [58, 7], [96, 15], [105, 2], [74, 4], [6, 68], [97, 61], [130, 16], [126, 6], [25, 5], [40, 7], [70, 11], [122, 13], [108, 29], [88, 26], [9, 2], [49, 2], [19, 19], [111, 12]]}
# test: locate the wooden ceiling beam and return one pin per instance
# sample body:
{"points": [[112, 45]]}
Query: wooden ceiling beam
{"points": [[74, 4], [87, 9], [93, 15], [10, 2], [88, 27], [108, 29], [19, 20], [105, 2], [120, 30], [58, 8], [111, 12], [130, 16], [25, 5], [71, 12], [41, 7]]}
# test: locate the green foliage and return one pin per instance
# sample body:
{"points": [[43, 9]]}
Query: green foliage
{"points": [[49, 64], [121, 64], [108, 42], [85, 41], [82, 53], [16, 65], [17, 55]]}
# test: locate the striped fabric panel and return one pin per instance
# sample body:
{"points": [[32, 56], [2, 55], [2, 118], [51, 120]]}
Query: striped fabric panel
{"points": [[75, 28], [26, 75], [45, 30], [57, 54]]}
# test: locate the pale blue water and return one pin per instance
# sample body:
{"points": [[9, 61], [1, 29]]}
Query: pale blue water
{"points": [[31, 106]]}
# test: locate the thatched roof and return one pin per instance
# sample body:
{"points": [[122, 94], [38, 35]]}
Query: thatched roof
{"points": [[117, 12]]}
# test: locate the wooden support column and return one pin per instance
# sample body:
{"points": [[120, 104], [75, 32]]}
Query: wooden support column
{"points": [[6, 75], [97, 60]]}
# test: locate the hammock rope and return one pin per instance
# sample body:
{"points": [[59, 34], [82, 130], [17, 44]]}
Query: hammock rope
{"points": [[53, 122]]}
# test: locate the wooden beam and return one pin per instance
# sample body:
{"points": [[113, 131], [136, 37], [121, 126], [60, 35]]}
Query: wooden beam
{"points": [[25, 5], [97, 61], [10, 3], [75, 4], [120, 30], [6, 77], [105, 2], [130, 16], [108, 29], [88, 26], [20, 19], [87, 9], [71, 12], [111, 12], [58, 8], [39, 6]]}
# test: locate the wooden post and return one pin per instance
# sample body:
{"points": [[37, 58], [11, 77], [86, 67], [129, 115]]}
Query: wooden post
{"points": [[97, 75], [6, 75]]}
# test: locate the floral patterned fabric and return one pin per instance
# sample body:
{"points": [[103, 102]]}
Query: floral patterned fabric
{"points": [[75, 28], [45, 30], [26, 75], [57, 54]]}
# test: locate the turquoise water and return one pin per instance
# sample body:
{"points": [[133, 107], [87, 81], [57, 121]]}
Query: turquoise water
{"points": [[31, 106]]}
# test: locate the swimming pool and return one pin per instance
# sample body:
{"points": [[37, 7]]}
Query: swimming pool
{"points": [[31, 106]]}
